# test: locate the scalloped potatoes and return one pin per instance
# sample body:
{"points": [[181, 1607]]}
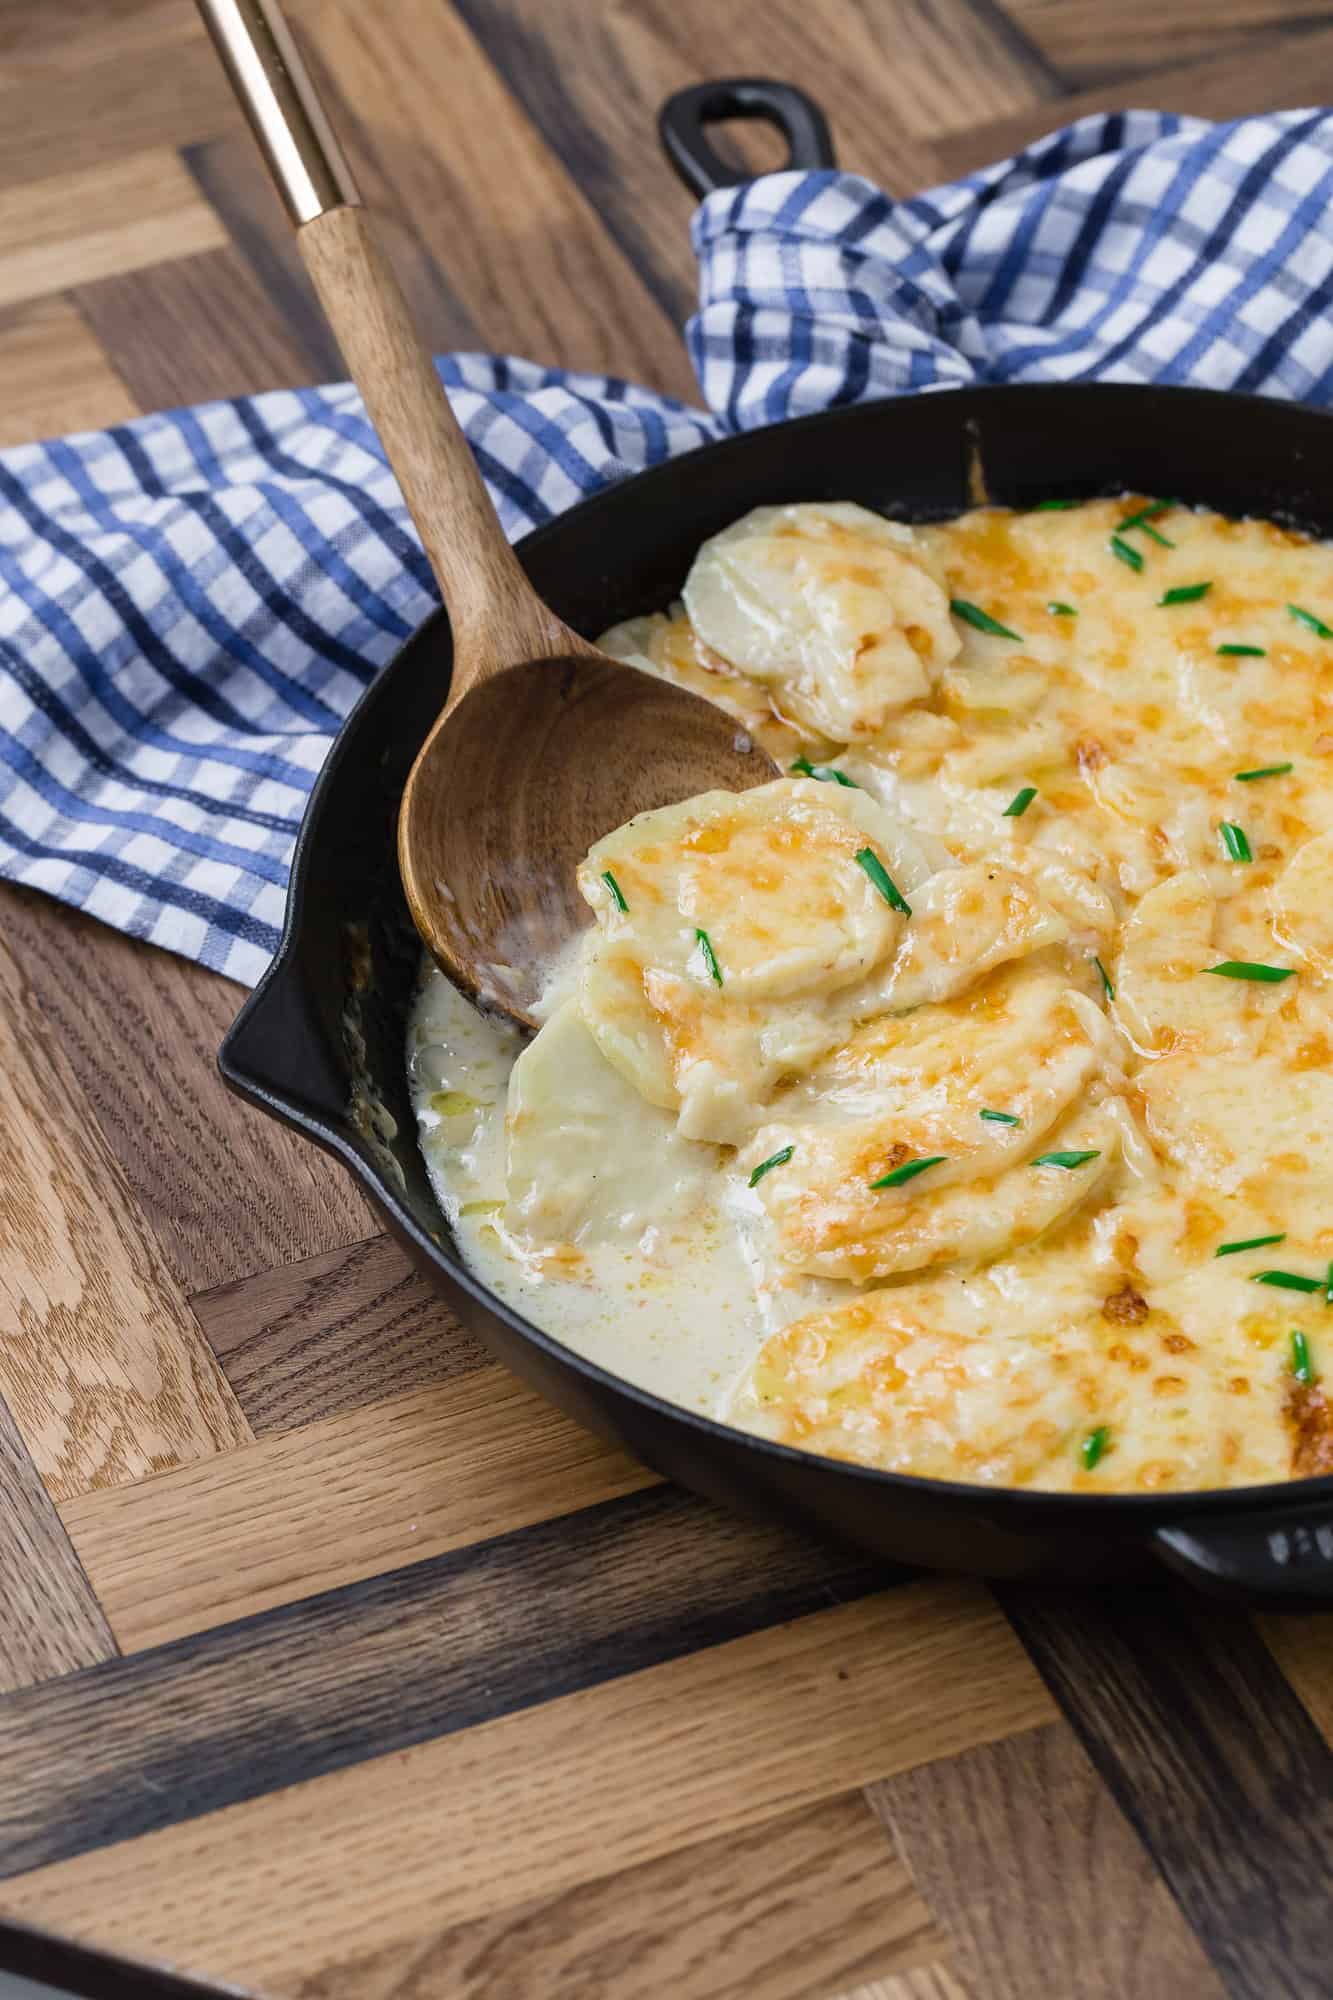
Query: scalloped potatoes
{"points": [[926, 1107]]}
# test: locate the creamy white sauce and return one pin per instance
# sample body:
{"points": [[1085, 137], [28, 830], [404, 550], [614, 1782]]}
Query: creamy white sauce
{"points": [[674, 1309]]}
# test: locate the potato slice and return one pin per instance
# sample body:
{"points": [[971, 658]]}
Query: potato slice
{"points": [[825, 603], [588, 1159]]}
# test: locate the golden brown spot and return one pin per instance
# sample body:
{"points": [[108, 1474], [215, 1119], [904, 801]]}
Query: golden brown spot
{"points": [[1230, 1449], [1313, 1054], [1125, 1307], [1089, 754], [707, 840], [1311, 1423], [1177, 1343], [1168, 1385], [1239, 1385], [1118, 1352]]}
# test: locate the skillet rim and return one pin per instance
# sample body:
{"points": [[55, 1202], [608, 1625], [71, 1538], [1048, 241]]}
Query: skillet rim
{"points": [[1147, 1511]]}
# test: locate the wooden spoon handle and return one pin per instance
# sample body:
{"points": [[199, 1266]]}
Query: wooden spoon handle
{"points": [[497, 617]]}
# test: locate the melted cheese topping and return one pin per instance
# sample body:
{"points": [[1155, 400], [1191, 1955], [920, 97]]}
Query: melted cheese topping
{"points": [[713, 1177]]}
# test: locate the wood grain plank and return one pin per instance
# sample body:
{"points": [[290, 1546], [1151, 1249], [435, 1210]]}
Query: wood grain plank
{"points": [[922, 1982], [781, 1911], [593, 77], [50, 1622], [560, 292], [440, 1646], [38, 41], [103, 1364], [98, 221], [65, 113], [331, 1334], [226, 1191], [1036, 1877], [56, 375], [1268, 74], [311, 1510], [232, 178], [1303, 1649], [1214, 1762], [582, 1787], [1089, 43], [195, 330]]}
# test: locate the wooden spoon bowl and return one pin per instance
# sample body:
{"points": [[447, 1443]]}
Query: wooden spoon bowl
{"points": [[516, 782], [544, 743]]}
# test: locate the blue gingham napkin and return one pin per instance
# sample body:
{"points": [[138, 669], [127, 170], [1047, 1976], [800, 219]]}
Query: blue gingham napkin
{"points": [[190, 603]]}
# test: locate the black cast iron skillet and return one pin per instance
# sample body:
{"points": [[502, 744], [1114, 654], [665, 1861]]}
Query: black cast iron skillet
{"points": [[321, 1041]]}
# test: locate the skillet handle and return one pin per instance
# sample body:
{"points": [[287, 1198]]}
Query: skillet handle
{"points": [[682, 119], [1279, 1560]]}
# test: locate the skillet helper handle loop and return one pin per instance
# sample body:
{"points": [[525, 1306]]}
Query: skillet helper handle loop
{"points": [[682, 122], [495, 614], [1277, 1560]]}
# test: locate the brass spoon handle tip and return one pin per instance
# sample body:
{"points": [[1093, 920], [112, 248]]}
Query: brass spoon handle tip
{"points": [[274, 89]]}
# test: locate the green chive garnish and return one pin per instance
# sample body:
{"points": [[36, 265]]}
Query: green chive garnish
{"points": [[1107, 987], [909, 1172], [1328, 1287], [1067, 1160], [1241, 968], [1019, 803], [1300, 1356], [1185, 593], [883, 881], [1250, 1243], [827, 772], [1235, 841], [1143, 519], [1264, 771], [1243, 652], [767, 1166], [1059, 610], [1310, 622], [710, 956], [1093, 1445], [972, 614], [615, 889], [1053, 506], [1130, 557], [1287, 1281], [1002, 1117]]}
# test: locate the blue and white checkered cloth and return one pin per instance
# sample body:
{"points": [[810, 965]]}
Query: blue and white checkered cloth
{"points": [[190, 603]]}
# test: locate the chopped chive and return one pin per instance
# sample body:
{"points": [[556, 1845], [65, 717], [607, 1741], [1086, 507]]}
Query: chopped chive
{"points": [[1093, 1445], [972, 614], [1019, 803], [1300, 1356], [883, 881], [1243, 652], [1053, 506], [1144, 519], [616, 890], [1328, 1287], [1241, 968], [1235, 841], [1067, 1160], [1264, 771], [1130, 557], [779, 1159], [909, 1171], [705, 944], [1185, 593], [1059, 610], [1002, 1117], [1107, 987], [1287, 1281], [1250, 1243], [826, 772], [1311, 623]]}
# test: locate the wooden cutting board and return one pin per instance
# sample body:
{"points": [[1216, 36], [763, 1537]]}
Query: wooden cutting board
{"points": [[334, 1662]]}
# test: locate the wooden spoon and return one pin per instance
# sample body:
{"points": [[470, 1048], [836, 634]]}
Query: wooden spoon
{"points": [[543, 743]]}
